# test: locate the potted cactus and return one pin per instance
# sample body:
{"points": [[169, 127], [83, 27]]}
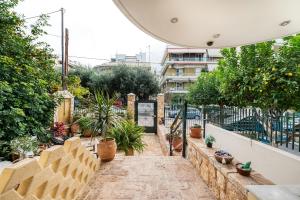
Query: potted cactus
{"points": [[244, 169], [209, 140], [195, 131]]}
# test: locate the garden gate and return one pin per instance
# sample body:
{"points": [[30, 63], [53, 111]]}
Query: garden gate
{"points": [[146, 115]]}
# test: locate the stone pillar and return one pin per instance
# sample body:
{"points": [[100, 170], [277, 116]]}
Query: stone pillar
{"points": [[160, 106], [64, 111], [131, 105]]}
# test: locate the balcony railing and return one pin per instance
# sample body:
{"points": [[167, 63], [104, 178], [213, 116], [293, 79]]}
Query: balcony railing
{"points": [[199, 59], [178, 78], [176, 90]]}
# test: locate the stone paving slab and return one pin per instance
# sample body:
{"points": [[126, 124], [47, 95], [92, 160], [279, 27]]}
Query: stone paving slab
{"points": [[152, 147], [146, 177]]}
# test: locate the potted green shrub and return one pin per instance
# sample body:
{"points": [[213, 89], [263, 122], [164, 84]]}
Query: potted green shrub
{"points": [[128, 137], [75, 126], [24, 146], [244, 169], [85, 124], [195, 131], [209, 140], [177, 140], [103, 120]]}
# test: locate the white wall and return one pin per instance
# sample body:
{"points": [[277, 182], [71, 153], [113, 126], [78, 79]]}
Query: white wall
{"points": [[277, 165]]}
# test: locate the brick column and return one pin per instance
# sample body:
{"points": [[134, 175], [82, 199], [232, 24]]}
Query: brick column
{"points": [[160, 106], [131, 105]]}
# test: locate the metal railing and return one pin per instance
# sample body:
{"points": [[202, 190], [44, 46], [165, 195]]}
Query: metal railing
{"points": [[119, 110], [179, 122], [193, 116], [281, 131], [195, 59]]}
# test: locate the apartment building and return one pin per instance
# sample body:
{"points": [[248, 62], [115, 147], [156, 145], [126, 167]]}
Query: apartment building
{"points": [[182, 66], [138, 60]]}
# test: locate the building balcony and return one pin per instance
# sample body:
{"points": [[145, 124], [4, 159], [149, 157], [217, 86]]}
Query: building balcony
{"points": [[178, 90], [181, 78], [192, 60]]}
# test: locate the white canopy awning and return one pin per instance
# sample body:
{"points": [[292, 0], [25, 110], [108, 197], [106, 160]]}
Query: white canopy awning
{"points": [[213, 23]]}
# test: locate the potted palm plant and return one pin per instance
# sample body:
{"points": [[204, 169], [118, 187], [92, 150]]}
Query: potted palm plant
{"points": [[104, 119], [128, 137]]}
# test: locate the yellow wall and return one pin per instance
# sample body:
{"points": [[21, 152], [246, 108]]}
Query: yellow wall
{"points": [[189, 72], [187, 85], [64, 111], [170, 72], [59, 173], [186, 72]]}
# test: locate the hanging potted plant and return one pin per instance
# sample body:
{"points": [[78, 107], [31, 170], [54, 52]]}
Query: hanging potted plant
{"points": [[128, 137], [104, 119], [209, 140], [195, 131], [177, 140]]}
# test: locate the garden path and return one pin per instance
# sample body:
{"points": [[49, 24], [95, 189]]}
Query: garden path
{"points": [[146, 176]]}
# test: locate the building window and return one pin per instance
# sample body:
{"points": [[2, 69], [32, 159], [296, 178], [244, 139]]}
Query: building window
{"points": [[198, 71], [179, 72], [179, 86]]}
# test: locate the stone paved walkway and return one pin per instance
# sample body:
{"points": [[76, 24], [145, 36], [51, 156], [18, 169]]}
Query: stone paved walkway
{"points": [[152, 145], [146, 176]]}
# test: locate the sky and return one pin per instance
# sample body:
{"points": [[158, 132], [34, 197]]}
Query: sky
{"points": [[97, 29]]}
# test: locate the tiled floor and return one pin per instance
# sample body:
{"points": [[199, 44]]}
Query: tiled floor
{"points": [[147, 176]]}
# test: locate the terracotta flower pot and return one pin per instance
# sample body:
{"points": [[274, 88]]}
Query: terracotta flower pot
{"points": [[87, 133], [130, 152], [226, 157], [177, 144], [75, 128], [195, 132], [107, 149]]}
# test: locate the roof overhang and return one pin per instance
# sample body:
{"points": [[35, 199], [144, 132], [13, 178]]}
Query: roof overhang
{"points": [[231, 23]]}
